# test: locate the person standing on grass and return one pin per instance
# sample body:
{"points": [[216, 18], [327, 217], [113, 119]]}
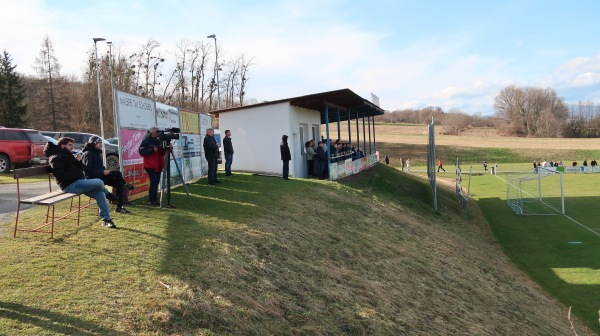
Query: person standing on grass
{"points": [[484, 166], [440, 165], [535, 167], [211, 153], [154, 161], [228, 149], [286, 156], [94, 168], [387, 160], [408, 164], [402, 162], [68, 172]]}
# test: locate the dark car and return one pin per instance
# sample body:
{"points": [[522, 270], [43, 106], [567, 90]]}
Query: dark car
{"points": [[21, 148], [81, 139]]}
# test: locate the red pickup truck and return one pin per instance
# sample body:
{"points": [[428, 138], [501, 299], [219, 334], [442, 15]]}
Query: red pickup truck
{"points": [[21, 147]]}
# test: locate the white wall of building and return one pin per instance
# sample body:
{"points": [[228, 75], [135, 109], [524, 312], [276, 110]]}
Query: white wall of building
{"points": [[256, 136]]}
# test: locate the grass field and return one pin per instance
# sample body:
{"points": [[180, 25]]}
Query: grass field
{"points": [[557, 252]]}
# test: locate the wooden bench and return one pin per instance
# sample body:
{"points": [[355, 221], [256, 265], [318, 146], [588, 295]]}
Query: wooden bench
{"points": [[48, 199]]}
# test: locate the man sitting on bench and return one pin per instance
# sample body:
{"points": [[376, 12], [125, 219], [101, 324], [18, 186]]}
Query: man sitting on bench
{"points": [[68, 172]]}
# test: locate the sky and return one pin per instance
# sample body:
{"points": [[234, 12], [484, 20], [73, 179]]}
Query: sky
{"points": [[412, 54]]}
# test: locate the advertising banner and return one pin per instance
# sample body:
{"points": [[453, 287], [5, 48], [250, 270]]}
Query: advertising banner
{"points": [[333, 171], [205, 122], [190, 144], [134, 111], [341, 168], [130, 143], [136, 176], [348, 166]]}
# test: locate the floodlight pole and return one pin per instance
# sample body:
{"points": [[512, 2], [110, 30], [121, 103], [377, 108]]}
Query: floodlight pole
{"points": [[97, 39], [114, 101], [213, 36]]}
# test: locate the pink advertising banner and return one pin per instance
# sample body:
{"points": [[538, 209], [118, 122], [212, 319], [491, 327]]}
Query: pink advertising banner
{"points": [[131, 140]]}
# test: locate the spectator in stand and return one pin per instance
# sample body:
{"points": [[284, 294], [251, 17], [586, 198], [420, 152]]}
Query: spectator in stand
{"points": [[321, 163], [310, 157], [286, 156]]}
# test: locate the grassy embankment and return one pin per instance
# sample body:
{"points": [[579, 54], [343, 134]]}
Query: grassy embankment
{"points": [[260, 255]]}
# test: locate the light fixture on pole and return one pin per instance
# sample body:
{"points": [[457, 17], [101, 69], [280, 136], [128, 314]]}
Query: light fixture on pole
{"points": [[213, 36], [98, 39]]}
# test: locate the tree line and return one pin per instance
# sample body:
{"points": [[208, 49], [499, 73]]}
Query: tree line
{"points": [[185, 77], [526, 112]]}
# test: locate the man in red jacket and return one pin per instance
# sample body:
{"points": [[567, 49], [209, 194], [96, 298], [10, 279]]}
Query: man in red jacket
{"points": [[154, 161]]}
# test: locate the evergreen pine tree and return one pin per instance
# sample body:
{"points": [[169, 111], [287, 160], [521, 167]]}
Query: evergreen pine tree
{"points": [[12, 94]]}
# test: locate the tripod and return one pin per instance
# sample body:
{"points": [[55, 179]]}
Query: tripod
{"points": [[166, 179]]}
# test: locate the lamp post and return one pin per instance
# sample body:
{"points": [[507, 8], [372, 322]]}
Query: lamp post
{"points": [[213, 36], [114, 101], [97, 39]]}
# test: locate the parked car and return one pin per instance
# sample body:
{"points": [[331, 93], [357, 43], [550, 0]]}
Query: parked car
{"points": [[21, 148], [113, 141], [81, 139]]}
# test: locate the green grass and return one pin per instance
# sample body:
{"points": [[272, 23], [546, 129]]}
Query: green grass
{"points": [[543, 246], [263, 256], [476, 155], [9, 179]]}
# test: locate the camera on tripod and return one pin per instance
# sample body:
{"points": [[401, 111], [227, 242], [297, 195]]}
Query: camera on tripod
{"points": [[166, 135]]}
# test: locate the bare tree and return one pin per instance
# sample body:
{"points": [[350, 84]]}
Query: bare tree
{"points": [[47, 66]]}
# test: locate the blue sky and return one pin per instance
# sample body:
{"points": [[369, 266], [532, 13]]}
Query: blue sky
{"points": [[412, 54]]}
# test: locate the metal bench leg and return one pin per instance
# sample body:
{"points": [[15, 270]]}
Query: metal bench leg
{"points": [[52, 228], [17, 221], [78, 209]]}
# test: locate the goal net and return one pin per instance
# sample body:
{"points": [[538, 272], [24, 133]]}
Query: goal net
{"points": [[540, 193]]}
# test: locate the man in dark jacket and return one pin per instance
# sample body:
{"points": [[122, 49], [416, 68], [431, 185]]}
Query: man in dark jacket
{"points": [[228, 149], [94, 168], [211, 153], [321, 172], [286, 156], [152, 151], [68, 172]]}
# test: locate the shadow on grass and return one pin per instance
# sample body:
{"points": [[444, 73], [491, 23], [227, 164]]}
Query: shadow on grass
{"points": [[559, 254], [51, 321]]}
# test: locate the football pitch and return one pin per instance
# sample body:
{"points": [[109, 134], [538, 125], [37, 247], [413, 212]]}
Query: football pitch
{"points": [[561, 253]]}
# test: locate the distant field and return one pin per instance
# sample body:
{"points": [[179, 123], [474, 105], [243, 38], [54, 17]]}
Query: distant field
{"points": [[472, 147]]}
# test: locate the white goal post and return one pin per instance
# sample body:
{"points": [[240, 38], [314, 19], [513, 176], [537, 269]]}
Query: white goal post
{"points": [[536, 193]]}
